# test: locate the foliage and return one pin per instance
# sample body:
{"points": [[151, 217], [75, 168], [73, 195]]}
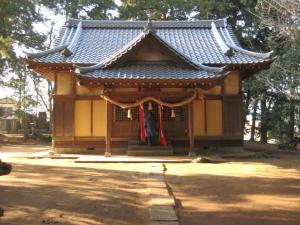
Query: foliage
{"points": [[262, 155], [24, 100], [16, 25], [154, 9], [42, 137], [95, 9], [281, 81], [1, 112]]}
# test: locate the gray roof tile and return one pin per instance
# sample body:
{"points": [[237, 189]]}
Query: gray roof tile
{"points": [[151, 71], [193, 39]]}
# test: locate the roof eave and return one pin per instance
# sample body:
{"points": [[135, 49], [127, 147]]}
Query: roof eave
{"points": [[66, 45], [152, 81]]}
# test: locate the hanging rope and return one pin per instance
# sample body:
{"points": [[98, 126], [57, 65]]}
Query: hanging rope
{"points": [[147, 99]]}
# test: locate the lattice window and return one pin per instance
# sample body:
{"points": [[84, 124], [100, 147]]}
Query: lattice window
{"points": [[122, 114], [179, 114]]}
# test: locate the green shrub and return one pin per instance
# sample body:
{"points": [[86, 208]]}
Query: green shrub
{"points": [[42, 137]]}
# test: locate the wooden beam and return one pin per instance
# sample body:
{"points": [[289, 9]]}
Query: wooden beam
{"points": [[205, 83], [170, 94], [108, 129], [191, 130], [205, 117], [92, 117]]}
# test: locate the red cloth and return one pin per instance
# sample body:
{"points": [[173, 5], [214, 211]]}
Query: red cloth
{"points": [[142, 128], [162, 137]]}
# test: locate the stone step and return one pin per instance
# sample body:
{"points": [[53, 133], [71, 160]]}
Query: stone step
{"points": [[150, 152], [162, 213]]}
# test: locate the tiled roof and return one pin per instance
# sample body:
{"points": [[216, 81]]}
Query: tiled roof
{"points": [[99, 40], [150, 71], [148, 32]]}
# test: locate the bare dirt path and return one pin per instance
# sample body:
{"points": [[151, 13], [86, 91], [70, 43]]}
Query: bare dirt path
{"points": [[262, 192]]}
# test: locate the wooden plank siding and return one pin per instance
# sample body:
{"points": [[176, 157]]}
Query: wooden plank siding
{"points": [[63, 118], [232, 113]]}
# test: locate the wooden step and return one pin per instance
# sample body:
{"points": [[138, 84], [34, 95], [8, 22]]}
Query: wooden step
{"points": [[150, 152], [147, 147], [138, 142], [133, 142]]}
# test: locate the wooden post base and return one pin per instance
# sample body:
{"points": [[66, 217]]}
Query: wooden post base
{"points": [[107, 154]]}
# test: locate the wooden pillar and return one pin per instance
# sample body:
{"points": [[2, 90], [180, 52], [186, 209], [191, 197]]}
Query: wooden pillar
{"points": [[108, 129], [191, 130]]}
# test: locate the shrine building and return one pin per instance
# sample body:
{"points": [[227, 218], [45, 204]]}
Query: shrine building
{"points": [[107, 74]]}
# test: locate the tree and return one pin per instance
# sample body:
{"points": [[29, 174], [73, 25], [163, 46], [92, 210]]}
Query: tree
{"points": [[90, 9], [16, 25], [24, 99], [282, 22], [156, 9]]}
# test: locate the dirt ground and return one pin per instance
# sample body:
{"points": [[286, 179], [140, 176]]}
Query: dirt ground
{"points": [[59, 191], [45, 191], [256, 192]]}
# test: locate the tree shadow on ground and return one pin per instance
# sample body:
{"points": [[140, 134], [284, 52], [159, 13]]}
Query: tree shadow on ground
{"points": [[285, 160], [37, 194], [230, 198]]}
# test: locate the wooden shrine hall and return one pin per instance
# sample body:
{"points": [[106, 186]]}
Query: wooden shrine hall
{"points": [[107, 74]]}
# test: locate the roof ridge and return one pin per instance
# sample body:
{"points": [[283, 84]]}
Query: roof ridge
{"points": [[141, 23], [225, 49], [72, 43]]}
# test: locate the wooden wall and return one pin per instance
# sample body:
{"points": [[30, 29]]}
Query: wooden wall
{"points": [[150, 52], [233, 117], [63, 118], [90, 118], [219, 115], [83, 118], [63, 107], [232, 83], [99, 118], [208, 118], [64, 83], [80, 116], [214, 118], [199, 118]]}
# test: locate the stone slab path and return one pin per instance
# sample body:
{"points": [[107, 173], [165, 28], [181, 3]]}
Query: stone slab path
{"points": [[162, 202], [132, 159]]}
